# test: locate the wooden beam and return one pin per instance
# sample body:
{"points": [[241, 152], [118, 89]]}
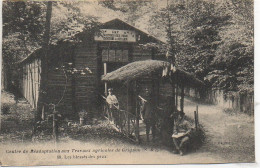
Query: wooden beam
{"points": [[137, 114], [38, 78], [105, 72], [182, 99], [197, 114], [32, 87], [176, 99], [173, 94], [195, 120], [128, 110]]}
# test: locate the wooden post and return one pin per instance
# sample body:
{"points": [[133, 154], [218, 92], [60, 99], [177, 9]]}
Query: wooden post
{"points": [[27, 86], [158, 92], [176, 104], [30, 85], [39, 79], [195, 119], [32, 89], [182, 99], [137, 114], [173, 95], [128, 110], [34, 83], [55, 128], [105, 72], [197, 114]]}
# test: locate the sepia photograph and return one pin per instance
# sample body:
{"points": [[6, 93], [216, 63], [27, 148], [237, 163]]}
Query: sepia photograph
{"points": [[115, 82]]}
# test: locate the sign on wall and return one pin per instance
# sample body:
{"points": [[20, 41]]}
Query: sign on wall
{"points": [[116, 35]]}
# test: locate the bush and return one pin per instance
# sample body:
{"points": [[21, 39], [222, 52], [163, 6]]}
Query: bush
{"points": [[5, 108]]}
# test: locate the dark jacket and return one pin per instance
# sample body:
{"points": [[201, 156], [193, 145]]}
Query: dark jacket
{"points": [[148, 111]]}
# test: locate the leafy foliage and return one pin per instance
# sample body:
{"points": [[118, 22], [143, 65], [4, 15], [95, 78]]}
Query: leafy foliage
{"points": [[213, 39], [22, 29], [132, 10], [23, 26], [235, 55]]}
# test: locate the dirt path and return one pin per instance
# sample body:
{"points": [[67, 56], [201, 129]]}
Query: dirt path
{"points": [[229, 139], [230, 136]]}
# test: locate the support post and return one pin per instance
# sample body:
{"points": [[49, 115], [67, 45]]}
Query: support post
{"points": [[195, 119], [197, 114], [173, 96], [105, 72], [32, 89], [182, 99], [176, 104], [137, 114], [128, 110], [55, 127]]}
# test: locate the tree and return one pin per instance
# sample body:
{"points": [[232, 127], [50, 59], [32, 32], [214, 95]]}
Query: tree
{"points": [[132, 10], [44, 62], [234, 59], [213, 39], [22, 32]]}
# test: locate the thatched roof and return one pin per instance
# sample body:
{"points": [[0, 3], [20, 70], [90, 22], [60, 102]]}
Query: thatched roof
{"points": [[140, 69], [135, 70], [187, 78]]}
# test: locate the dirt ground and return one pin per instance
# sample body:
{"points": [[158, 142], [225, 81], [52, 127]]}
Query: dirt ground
{"points": [[229, 135], [230, 138]]}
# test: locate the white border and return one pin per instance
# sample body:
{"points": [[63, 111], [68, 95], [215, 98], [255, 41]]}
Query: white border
{"points": [[257, 109]]}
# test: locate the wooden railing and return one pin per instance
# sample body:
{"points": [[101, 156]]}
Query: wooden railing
{"points": [[125, 122]]}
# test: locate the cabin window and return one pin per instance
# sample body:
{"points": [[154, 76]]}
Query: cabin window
{"points": [[115, 55]]}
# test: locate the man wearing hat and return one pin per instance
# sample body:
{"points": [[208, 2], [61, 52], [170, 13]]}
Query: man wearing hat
{"points": [[182, 134], [148, 113], [113, 105], [112, 100]]}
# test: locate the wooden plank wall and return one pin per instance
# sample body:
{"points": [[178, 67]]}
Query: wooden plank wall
{"points": [[140, 54], [60, 91], [31, 81], [86, 86]]}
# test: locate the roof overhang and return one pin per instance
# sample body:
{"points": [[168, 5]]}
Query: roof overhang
{"points": [[140, 69]]}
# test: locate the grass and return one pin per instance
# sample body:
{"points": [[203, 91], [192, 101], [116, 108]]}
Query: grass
{"points": [[16, 121]]}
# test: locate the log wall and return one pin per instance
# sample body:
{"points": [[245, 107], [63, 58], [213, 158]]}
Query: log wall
{"points": [[86, 86], [140, 54], [60, 91]]}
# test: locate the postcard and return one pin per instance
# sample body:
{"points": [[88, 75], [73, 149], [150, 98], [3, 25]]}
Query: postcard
{"points": [[107, 82]]}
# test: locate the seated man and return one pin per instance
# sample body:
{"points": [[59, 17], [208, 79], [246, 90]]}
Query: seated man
{"points": [[182, 134]]}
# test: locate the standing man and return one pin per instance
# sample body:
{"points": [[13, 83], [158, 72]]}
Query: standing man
{"points": [[112, 100], [113, 106], [148, 113]]}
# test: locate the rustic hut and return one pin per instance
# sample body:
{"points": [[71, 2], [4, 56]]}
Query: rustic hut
{"points": [[162, 78], [101, 49]]}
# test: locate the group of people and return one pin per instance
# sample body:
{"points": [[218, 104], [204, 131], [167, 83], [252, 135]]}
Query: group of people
{"points": [[182, 129]]}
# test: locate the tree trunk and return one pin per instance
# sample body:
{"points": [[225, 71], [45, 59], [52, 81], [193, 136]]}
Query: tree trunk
{"points": [[44, 63]]}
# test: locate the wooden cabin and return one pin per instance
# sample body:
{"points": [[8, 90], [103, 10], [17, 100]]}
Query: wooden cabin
{"points": [[111, 46]]}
